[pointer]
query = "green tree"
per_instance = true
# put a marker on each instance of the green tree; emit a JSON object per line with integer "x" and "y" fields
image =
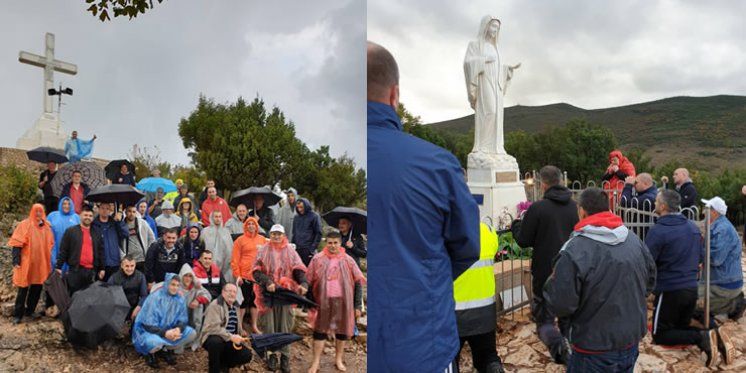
{"x": 413, "y": 125}
{"x": 336, "y": 182}
{"x": 242, "y": 144}
{"x": 118, "y": 8}
{"x": 17, "y": 190}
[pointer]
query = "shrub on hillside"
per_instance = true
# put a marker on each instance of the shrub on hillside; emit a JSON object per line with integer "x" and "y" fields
{"x": 18, "y": 190}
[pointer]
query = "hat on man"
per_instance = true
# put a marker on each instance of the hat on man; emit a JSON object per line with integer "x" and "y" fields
{"x": 277, "y": 228}
{"x": 717, "y": 204}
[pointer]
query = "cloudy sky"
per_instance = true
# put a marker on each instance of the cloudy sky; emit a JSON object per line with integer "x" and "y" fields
{"x": 591, "y": 54}
{"x": 136, "y": 79}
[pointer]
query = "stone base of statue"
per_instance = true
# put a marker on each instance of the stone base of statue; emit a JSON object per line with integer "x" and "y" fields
{"x": 45, "y": 132}
{"x": 494, "y": 180}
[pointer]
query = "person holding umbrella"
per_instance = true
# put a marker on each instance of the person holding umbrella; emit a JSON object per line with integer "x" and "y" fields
{"x": 263, "y": 213}
{"x": 163, "y": 323}
{"x": 113, "y": 230}
{"x": 45, "y": 184}
{"x": 336, "y": 282}
{"x": 306, "y": 230}
{"x": 352, "y": 241}
{"x": 222, "y": 332}
{"x": 278, "y": 264}
{"x": 83, "y": 251}
{"x": 123, "y": 174}
{"x": 32, "y": 243}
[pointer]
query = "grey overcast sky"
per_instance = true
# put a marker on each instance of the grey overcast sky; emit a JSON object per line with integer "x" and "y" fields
{"x": 591, "y": 54}
{"x": 137, "y": 78}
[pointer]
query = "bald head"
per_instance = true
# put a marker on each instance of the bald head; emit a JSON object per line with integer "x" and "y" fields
{"x": 644, "y": 181}
{"x": 680, "y": 176}
{"x": 383, "y": 76}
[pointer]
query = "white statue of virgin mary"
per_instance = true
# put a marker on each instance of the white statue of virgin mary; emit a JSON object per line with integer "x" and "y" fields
{"x": 487, "y": 78}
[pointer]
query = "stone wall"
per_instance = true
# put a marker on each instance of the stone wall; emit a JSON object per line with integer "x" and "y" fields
{"x": 18, "y": 158}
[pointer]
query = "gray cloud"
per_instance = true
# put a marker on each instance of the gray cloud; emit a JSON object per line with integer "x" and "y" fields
{"x": 138, "y": 78}
{"x": 587, "y": 53}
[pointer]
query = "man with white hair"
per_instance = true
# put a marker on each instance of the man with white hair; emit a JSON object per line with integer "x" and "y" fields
{"x": 726, "y": 274}
{"x": 685, "y": 187}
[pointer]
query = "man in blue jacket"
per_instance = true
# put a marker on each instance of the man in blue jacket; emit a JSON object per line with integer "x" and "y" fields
{"x": 113, "y": 230}
{"x": 726, "y": 274}
{"x": 677, "y": 248}
{"x": 423, "y": 228}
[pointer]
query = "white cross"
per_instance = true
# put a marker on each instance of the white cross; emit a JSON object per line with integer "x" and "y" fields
{"x": 49, "y": 64}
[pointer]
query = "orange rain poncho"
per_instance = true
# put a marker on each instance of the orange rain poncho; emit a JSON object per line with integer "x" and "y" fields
{"x": 36, "y": 243}
{"x": 245, "y": 250}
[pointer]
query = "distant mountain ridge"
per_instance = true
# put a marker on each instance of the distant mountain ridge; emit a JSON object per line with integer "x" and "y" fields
{"x": 709, "y": 130}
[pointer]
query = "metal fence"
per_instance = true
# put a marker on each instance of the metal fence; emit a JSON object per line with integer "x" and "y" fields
{"x": 513, "y": 276}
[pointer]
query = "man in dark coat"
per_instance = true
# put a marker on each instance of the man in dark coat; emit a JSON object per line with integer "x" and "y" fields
{"x": 133, "y": 283}
{"x": 646, "y": 192}
{"x": 82, "y": 250}
{"x": 601, "y": 279}
{"x": 306, "y": 230}
{"x": 352, "y": 241}
{"x": 45, "y": 184}
{"x": 686, "y": 190}
{"x": 546, "y": 226}
{"x": 164, "y": 256}
{"x": 677, "y": 248}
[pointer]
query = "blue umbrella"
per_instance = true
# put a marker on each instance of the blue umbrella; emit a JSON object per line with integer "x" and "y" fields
{"x": 151, "y": 185}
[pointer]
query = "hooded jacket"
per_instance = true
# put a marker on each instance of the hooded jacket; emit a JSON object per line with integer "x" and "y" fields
{"x": 149, "y": 219}
{"x": 144, "y": 235}
{"x": 32, "y": 246}
{"x": 192, "y": 248}
{"x": 616, "y": 179}
{"x": 211, "y": 279}
{"x": 190, "y": 217}
{"x": 286, "y": 214}
{"x": 217, "y": 239}
{"x": 112, "y": 233}
{"x": 208, "y": 206}
{"x": 424, "y": 229}
{"x": 600, "y": 282}
{"x": 546, "y": 226}
{"x": 160, "y": 312}
{"x": 677, "y": 248}
{"x": 306, "y": 229}
{"x": 60, "y": 222}
{"x": 245, "y": 249}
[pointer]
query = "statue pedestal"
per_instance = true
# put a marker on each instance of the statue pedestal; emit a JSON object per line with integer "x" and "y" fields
{"x": 496, "y": 178}
{"x": 45, "y": 132}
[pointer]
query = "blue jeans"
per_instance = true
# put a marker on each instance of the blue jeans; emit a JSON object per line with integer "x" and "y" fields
{"x": 612, "y": 361}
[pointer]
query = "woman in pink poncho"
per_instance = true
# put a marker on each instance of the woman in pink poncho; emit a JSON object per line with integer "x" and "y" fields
{"x": 335, "y": 281}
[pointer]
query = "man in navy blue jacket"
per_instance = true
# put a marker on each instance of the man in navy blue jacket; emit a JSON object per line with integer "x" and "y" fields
{"x": 423, "y": 229}
{"x": 113, "y": 230}
{"x": 677, "y": 248}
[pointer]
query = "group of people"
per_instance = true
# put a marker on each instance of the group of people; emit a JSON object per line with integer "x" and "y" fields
{"x": 592, "y": 276}
{"x": 190, "y": 276}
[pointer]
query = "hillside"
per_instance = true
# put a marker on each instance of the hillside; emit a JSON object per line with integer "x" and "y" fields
{"x": 706, "y": 130}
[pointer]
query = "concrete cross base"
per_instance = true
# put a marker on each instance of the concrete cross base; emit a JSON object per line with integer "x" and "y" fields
{"x": 45, "y": 132}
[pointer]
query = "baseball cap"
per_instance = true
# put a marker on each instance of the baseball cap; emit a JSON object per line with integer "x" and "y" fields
{"x": 717, "y": 204}
{"x": 277, "y": 228}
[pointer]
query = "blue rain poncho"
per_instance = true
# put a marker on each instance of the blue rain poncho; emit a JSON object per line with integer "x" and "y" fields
{"x": 160, "y": 312}
{"x": 77, "y": 149}
{"x": 60, "y": 222}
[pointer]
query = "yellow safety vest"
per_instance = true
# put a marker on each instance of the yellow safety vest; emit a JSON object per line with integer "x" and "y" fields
{"x": 476, "y": 286}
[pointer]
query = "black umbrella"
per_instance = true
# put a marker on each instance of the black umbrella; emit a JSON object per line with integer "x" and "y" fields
{"x": 57, "y": 289}
{"x": 95, "y": 315}
{"x": 262, "y": 343}
{"x": 45, "y": 154}
{"x": 122, "y": 194}
{"x": 113, "y": 167}
{"x": 93, "y": 175}
{"x": 284, "y": 297}
{"x": 358, "y": 217}
{"x": 246, "y": 197}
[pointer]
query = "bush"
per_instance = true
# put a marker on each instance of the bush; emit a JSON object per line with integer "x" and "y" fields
{"x": 18, "y": 190}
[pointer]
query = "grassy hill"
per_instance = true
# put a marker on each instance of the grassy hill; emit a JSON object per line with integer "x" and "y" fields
{"x": 709, "y": 131}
